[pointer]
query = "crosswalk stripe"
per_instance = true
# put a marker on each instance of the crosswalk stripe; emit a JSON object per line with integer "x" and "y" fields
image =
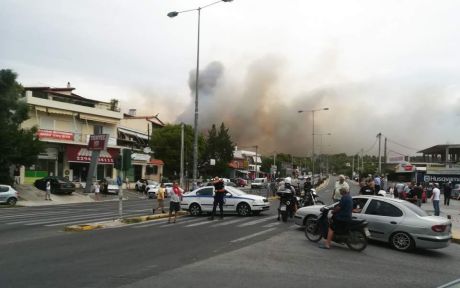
{"x": 206, "y": 221}
{"x": 252, "y": 235}
{"x": 81, "y": 221}
{"x": 225, "y": 222}
{"x": 271, "y": 225}
{"x": 255, "y": 222}
{"x": 42, "y": 221}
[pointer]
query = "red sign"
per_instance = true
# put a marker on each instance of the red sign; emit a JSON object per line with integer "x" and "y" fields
{"x": 98, "y": 142}
{"x": 408, "y": 167}
{"x": 83, "y": 155}
{"x": 58, "y": 135}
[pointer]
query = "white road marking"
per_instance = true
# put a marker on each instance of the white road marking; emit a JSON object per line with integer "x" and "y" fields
{"x": 63, "y": 218}
{"x": 255, "y": 222}
{"x": 252, "y": 235}
{"x": 271, "y": 225}
{"x": 225, "y": 222}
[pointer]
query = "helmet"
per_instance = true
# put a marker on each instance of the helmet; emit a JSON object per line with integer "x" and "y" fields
{"x": 382, "y": 193}
{"x": 287, "y": 180}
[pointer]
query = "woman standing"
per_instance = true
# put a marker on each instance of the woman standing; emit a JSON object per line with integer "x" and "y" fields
{"x": 160, "y": 199}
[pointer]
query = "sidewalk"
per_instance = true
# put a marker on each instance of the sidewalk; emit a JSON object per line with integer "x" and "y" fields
{"x": 452, "y": 211}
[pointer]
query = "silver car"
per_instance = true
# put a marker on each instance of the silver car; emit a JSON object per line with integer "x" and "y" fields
{"x": 8, "y": 195}
{"x": 400, "y": 223}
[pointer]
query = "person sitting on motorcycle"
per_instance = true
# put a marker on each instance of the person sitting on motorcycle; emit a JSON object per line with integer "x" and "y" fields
{"x": 288, "y": 186}
{"x": 340, "y": 218}
{"x": 307, "y": 185}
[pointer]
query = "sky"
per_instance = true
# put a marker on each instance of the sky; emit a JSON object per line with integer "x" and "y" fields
{"x": 389, "y": 67}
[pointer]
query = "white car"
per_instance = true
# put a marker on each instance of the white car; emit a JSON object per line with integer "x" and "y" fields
{"x": 398, "y": 222}
{"x": 259, "y": 183}
{"x": 235, "y": 201}
{"x": 151, "y": 188}
{"x": 8, "y": 195}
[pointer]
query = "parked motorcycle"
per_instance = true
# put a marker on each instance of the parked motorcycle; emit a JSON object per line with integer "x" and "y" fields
{"x": 355, "y": 236}
{"x": 287, "y": 204}
{"x": 310, "y": 198}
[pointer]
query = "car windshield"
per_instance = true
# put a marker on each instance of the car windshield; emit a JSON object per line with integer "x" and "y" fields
{"x": 415, "y": 209}
{"x": 235, "y": 191}
{"x": 61, "y": 179}
{"x": 259, "y": 180}
{"x": 111, "y": 181}
{"x": 151, "y": 182}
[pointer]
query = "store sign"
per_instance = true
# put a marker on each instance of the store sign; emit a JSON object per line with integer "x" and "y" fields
{"x": 140, "y": 157}
{"x": 81, "y": 154}
{"x": 58, "y": 135}
{"x": 98, "y": 142}
{"x": 441, "y": 178}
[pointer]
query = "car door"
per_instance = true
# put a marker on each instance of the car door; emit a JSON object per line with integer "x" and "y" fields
{"x": 230, "y": 201}
{"x": 206, "y": 198}
{"x": 3, "y": 193}
{"x": 383, "y": 218}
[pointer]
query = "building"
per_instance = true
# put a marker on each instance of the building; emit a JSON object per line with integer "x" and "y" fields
{"x": 134, "y": 132}
{"x": 65, "y": 121}
{"x": 245, "y": 164}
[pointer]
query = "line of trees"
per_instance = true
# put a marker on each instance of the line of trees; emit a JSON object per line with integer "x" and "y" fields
{"x": 217, "y": 145}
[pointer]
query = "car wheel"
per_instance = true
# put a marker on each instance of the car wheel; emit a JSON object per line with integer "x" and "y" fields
{"x": 401, "y": 241}
{"x": 243, "y": 209}
{"x": 12, "y": 201}
{"x": 195, "y": 209}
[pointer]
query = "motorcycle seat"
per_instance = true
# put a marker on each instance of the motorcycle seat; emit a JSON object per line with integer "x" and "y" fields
{"x": 357, "y": 221}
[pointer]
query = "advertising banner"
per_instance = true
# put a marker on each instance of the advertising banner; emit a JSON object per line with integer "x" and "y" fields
{"x": 57, "y": 135}
{"x": 98, "y": 142}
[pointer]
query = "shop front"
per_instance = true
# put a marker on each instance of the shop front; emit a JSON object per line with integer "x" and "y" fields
{"x": 79, "y": 158}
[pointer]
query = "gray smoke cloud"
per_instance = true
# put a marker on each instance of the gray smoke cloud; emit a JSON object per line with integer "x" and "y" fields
{"x": 259, "y": 110}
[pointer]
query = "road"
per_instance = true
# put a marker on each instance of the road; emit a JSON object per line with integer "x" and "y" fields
{"x": 195, "y": 252}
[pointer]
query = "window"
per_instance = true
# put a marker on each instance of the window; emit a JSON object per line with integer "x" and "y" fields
{"x": 205, "y": 192}
{"x": 151, "y": 170}
{"x": 98, "y": 129}
{"x": 3, "y": 189}
{"x": 381, "y": 208}
{"x": 358, "y": 204}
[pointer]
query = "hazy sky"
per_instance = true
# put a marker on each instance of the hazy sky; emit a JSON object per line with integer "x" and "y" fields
{"x": 380, "y": 66}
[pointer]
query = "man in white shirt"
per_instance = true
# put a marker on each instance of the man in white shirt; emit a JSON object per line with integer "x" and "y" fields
{"x": 435, "y": 199}
{"x": 339, "y": 185}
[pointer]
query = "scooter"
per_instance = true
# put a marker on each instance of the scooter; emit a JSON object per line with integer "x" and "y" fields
{"x": 355, "y": 236}
{"x": 287, "y": 204}
{"x": 310, "y": 198}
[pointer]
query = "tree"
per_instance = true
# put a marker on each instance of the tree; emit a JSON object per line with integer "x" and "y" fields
{"x": 166, "y": 144}
{"x": 18, "y": 146}
{"x": 220, "y": 147}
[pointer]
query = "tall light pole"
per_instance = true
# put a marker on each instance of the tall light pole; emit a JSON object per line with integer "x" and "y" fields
{"x": 321, "y": 146}
{"x": 313, "y": 138}
{"x": 195, "y": 138}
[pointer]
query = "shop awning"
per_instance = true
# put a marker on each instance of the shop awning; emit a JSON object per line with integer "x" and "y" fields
{"x": 81, "y": 154}
{"x": 98, "y": 118}
{"x": 157, "y": 162}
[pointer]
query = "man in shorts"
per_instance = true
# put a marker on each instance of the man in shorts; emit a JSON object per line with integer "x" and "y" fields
{"x": 174, "y": 203}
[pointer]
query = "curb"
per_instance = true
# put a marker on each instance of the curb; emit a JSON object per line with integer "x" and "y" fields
{"x": 122, "y": 222}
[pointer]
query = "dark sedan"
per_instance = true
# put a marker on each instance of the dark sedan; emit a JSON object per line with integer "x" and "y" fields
{"x": 59, "y": 185}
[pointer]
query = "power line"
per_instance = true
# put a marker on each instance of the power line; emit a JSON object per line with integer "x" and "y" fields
{"x": 402, "y": 145}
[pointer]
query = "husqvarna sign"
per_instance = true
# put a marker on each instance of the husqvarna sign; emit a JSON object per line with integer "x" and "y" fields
{"x": 441, "y": 178}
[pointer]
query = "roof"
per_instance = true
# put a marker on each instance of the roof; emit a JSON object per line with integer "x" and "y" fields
{"x": 439, "y": 149}
{"x": 153, "y": 119}
{"x": 156, "y": 162}
{"x": 58, "y": 92}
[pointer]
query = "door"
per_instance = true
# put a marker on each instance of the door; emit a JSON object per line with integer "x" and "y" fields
{"x": 383, "y": 218}
{"x": 230, "y": 202}
{"x": 206, "y": 198}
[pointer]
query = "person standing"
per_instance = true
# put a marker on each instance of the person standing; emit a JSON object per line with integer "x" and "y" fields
{"x": 219, "y": 194}
{"x": 17, "y": 175}
{"x": 417, "y": 193}
{"x": 97, "y": 190}
{"x": 377, "y": 183}
{"x": 368, "y": 188}
{"x": 174, "y": 203}
{"x": 435, "y": 199}
{"x": 48, "y": 190}
{"x": 336, "y": 195}
{"x": 160, "y": 199}
{"x": 447, "y": 193}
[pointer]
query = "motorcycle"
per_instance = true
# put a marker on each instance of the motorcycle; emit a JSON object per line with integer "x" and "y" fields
{"x": 310, "y": 198}
{"x": 354, "y": 236}
{"x": 287, "y": 204}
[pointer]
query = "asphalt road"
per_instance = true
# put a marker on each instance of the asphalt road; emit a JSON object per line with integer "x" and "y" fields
{"x": 247, "y": 252}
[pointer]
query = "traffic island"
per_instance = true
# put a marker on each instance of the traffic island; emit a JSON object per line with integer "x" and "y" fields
{"x": 119, "y": 222}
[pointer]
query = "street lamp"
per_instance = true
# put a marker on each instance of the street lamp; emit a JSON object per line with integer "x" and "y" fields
{"x": 321, "y": 148}
{"x": 195, "y": 139}
{"x": 313, "y": 141}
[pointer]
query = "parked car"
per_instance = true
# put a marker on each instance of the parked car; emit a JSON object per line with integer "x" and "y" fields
{"x": 59, "y": 185}
{"x": 110, "y": 186}
{"x": 151, "y": 188}
{"x": 8, "y": 195}
{"x": 236, "y": 201}
{"x": 455, "y": 191}
{"x": 259, "y": 183}
{"x": 240, "y": 182}
{"x": 140, "y": 185}
{"x": 402, "y": 224}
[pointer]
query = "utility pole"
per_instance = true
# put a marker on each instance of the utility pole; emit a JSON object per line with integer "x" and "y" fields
{"x": 257, "y": 161}
{"x": 182, "y": 156}
{"x": 385, "y": 151}
{"x": 380, "y": 157}
{"x": 352, "y": 167}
